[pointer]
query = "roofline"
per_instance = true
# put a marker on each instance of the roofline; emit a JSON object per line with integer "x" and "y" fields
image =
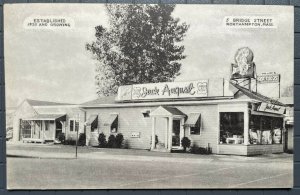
{"x": 174, "y": 100}
{"x": 175, "y": 103}
{"x": 54, "y": 106}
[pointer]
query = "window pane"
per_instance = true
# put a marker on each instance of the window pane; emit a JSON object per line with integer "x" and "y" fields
{"x": 265, "y": 130}
{"x": 114, "y": 127}
{"x": 25, "y": 129}
{"x": 195, "y": 130}
{"x": 46, "y": 125}
{"x": 71, "y": 125}
{"x": 76, "y": 126}
{"x": 232, "y": 127}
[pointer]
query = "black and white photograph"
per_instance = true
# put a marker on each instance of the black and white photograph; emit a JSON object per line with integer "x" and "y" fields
{"x": 149, "y": 96}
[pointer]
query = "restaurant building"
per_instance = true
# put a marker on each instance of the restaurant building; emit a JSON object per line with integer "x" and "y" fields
{"x": 214, "y": 113}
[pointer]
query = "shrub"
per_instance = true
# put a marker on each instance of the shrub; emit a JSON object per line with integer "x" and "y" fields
{"x": 200, "y": 150}
{"x": 102, "y": 140}
{"x": 119, "y": 140}
{"x": 185, "y": 142}
{"x": 70, "y": 142}
{"x": 126, "y": 144}
{"x": 62, "y": 137}
{"x": 81, "y": 139}
{"x": 111, "y": 141}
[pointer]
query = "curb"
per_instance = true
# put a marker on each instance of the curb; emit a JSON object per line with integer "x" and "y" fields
{"x": 36, "y": 157}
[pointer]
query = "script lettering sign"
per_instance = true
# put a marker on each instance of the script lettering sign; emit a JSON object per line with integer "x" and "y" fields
{"x": 170, "y": 90}
{"x": 265, "y": 107}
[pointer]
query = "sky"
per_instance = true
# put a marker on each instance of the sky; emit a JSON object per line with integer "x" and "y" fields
{"x": 53, "y": 64}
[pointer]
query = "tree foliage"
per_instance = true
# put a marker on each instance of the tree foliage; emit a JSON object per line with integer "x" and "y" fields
{"x": 140, "y": 45}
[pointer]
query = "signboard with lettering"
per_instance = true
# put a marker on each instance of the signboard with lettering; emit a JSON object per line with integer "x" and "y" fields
{"x": 272, "y": 108}
{"x": 268, "y": 78}
{"x": 170, "y": 90}
{"x": 217, "y": 87}
{"x": 135, "y": 134}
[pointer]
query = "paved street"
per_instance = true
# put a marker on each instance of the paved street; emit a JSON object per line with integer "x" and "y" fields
{"x": 54, "y": 167}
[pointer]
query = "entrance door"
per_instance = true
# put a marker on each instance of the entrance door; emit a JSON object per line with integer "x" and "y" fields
{"x": 58, "y": 129}
{"x": 176, "y": 133}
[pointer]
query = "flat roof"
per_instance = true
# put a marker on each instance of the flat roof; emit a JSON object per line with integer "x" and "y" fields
{"x": 169, "y": 103}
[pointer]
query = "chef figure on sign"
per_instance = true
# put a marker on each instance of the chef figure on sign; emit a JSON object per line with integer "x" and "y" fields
{"x": 244, "y": 65}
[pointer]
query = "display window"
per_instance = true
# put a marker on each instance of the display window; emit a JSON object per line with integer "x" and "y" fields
{"x": 231, "y": 127}
{"x": 265, "y": 130}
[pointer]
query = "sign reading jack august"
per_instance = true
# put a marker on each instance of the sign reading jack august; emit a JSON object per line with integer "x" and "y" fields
{"x": 165, "y": 90}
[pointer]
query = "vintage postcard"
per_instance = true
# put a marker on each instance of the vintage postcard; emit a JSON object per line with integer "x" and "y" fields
{"x": 149, "y": 96}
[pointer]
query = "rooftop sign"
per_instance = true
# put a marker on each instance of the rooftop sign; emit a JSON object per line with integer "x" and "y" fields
{"x": 166, "y": 90}
{"x": 268, "y": 78}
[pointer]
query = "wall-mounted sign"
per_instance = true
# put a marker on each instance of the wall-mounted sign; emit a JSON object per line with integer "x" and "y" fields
{"x": 268, "y": 78}
{"x": 135, "y": 134}
{"x": 170, "y": 90}
{"x": 216, "y": 87}
{"x": 272, "y": 108}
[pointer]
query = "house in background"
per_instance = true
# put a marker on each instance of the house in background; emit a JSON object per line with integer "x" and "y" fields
{"x": 41, "y": 121}
{"x": 289, "y": 123}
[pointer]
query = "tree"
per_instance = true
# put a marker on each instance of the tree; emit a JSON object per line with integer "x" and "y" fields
{"x": 141, "y": 45}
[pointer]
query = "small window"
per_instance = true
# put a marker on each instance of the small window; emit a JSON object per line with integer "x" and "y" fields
{"x": 71, "y": 125}
{"x": 47, "y": 125}
{"x": 94, "y": 127}
{"x": 114, "y": 127}
{"x": 195, "y": 130}
{"x": 76, "y": 126}
{"x": 113, "y": 123}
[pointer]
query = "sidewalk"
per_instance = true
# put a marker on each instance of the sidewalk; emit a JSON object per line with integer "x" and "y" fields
{"x": 68, "y": 152}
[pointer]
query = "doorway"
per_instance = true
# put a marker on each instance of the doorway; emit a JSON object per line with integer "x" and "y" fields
{"x": 58, "y": 130}
{"x": 176, "y": 133}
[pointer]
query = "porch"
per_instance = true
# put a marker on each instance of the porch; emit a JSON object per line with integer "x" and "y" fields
{"x": 168, "y": 125}
{"x": 42, "y": 127}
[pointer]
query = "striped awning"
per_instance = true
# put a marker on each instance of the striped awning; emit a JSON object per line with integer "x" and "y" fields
{"x": 92, "y": 119}
{"x": 193, "y": 120}
{"x": 112, "y": 118}
{"x": 46, "y": 117}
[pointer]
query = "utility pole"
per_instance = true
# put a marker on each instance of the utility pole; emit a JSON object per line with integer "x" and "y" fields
{"x": 76, "y": 121}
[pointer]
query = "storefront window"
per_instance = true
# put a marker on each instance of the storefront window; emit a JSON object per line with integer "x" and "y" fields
{"x": 265, "y": 130}
{"x": 231, "y": 127}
